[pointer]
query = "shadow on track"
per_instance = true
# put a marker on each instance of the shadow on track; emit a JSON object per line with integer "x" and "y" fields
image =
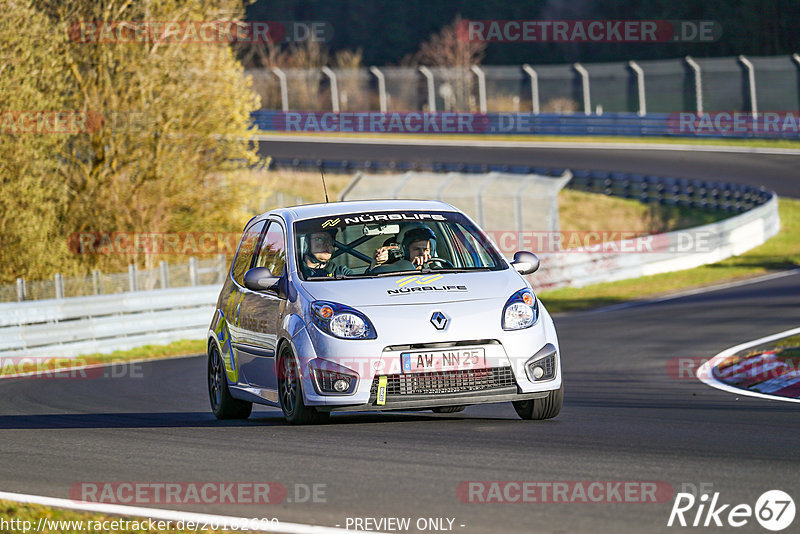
{"x": 190, "y": 420}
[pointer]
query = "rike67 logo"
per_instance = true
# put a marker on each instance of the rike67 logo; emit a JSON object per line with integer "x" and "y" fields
{"x": 774, "y": 510}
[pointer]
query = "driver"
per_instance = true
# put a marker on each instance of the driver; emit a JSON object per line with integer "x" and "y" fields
{"x": 316, "y": 258}
{"x": 419, "y": 245}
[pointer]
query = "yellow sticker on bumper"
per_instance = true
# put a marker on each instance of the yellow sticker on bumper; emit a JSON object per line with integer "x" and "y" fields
{"x": 381, "y": 390}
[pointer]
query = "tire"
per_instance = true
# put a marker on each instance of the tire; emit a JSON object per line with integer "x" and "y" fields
{"x": 449, "y": 409}
{"x": 539, "y": 409}
{"x": 290, "y": 393}
{"x": 223, "y": 404}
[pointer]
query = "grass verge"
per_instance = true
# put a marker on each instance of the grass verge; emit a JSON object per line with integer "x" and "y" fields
{"x": 753, "y": 143}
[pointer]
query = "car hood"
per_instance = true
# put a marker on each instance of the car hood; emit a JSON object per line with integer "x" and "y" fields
{"x": 429, "y": 288}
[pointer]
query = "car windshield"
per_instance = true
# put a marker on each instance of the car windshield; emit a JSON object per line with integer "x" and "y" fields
{"x": 372, "y": 244}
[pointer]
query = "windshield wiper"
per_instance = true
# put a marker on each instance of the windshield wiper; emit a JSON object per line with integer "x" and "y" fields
{"x": 458, "y": 270}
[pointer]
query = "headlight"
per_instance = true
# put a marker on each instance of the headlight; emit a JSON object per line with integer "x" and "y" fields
{"x": 341, "y": 321}
{"x": 521, "y": 310}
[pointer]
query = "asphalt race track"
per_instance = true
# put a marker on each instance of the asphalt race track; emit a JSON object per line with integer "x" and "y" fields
{"x": 777, "y": 172}
{"x": 625, "y": 417}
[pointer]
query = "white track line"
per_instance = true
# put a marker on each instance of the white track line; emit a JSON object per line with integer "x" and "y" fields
{"x": 599, "y": 145}
{"x": 167, "y": 515}
{"x": 705, "y": 372}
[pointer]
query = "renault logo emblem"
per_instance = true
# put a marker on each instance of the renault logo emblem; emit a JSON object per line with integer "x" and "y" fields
{"x": 438, "y": 320}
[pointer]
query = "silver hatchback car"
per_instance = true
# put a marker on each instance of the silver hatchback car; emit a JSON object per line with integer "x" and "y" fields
{"x": 378, "y": 305}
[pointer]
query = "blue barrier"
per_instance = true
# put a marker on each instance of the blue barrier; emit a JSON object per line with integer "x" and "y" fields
{"x": 737, "y": 125}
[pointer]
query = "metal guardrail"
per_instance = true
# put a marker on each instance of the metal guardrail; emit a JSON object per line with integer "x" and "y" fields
{"x": 103, "y": 323}
{"x": 671, "y": 251}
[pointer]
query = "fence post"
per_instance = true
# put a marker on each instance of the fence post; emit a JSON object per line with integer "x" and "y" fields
{"x": 698, "y": 84}
{"x": 334, "y": 88}
{"x": 162, "y": 265}
{"x": 481, "y": 87}
{"x": 534, "y": 87}
{"x": 640, "y": 87}
{"x": 284, "y": 90}
{"x": 587, "y": 101}
{"x": 221, "y": 264}
{"x": 132, "y": 282}
{"x": 381, "y": 87}
{"x": 96, "y": 282}
{"x": 59, "y": 282}
{"x": 193, "y": 271}
{"x": 21, "y": 290}
{"x": 431, "y": 89}
{"x": 751, "y": 85}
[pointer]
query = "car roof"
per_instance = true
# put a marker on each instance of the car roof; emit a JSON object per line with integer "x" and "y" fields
{"x": 311, "y": 211}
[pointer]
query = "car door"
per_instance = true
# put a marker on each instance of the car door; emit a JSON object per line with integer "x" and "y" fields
{"x": 233, "y": 294}
{"x": 261, "y": 312}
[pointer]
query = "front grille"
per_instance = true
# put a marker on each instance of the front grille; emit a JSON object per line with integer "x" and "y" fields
{"x": 443, "y": 382}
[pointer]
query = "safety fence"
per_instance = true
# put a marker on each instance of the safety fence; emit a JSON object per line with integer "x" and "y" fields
{"x": 195, "y": 272}
{"x": 736, "y": 83}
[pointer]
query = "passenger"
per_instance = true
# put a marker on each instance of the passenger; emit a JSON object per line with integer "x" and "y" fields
{"x": 317, "y": 257}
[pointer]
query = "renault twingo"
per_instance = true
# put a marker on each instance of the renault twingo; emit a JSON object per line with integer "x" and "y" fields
{"x": 378, "y": 305}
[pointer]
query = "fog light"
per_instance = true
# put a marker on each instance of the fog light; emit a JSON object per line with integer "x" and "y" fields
{"x": 538, "y": 372}
{"x": 343, "y": 385}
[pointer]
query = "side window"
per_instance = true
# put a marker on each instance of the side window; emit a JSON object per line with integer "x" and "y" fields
{"x": 273, "y": 250}
{"x": 245, "y": 253}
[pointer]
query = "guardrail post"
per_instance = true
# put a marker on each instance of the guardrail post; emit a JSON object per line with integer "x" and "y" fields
{"x": 751, "y": 85}
{"x": 59, "y": 283}
{"x": 534, "y": 87}
{"x": 162, "y": 266}
{"x": 22, "y": 290}
{"x": 98, "y": 289}
{"x": 431, "y": 88}
{"x": 640, "y": 87}
{"x": 381, "y": 87}
{"x": 334, "y": 88}
{"x": 132, "y": 282}
{"x": 284, "y": 89}
{"x": 587, "y": 101}
{"x": 481, "y": 87}
{"x": 698, "y": 84}
{"x": 193, "y": 271}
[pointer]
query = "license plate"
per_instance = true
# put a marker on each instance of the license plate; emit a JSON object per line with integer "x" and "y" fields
{"x": 443, "y": 360}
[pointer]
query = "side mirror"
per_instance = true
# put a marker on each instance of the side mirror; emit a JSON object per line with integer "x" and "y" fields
{"x": 525, "y": 262}
{"x": 259, "y": 279}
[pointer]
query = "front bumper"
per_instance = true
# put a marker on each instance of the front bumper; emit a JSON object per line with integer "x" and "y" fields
{"x": 508, "y": 352}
